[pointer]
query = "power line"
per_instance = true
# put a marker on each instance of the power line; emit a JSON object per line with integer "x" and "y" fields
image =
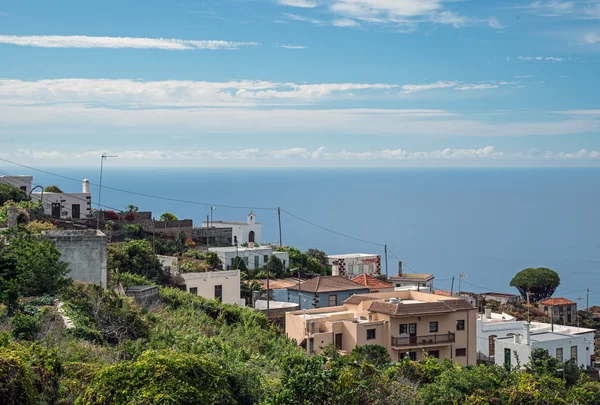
{"x": 403, "y": 264}
{"x": 332, "y": 231}
{"x": 143, "y": 194}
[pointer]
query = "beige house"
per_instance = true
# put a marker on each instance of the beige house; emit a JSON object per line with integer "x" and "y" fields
{"x": 219, "y": 285}
{"x": 407, "y": 323}
{"x": 561, "y": 309}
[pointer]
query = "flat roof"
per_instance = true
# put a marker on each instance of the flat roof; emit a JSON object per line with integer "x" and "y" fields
{"x": 229, "y": 222}
{"x": 326, "y": 314}
{"x": 241, "y": 249}
{"x": 543, "y": 337}
{"x": 351, "y": 255}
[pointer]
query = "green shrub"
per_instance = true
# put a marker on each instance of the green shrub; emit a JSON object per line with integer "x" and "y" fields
{"x": 25, "y": 326}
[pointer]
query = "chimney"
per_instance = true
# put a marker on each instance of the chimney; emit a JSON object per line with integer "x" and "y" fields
{"x": 400, "y": 268}
{"x": 526, "y": 336}
{"x": 488, "y": 313}
{"x": 85, "y": 186}
{"x": 12, "y": 216}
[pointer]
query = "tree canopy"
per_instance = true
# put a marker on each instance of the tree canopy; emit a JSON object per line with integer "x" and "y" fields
{"x": 167, "y": 216}
{"x": 136, "y": 257}
{"x": 539, "y": 282}
{"x": 53, "y": 189}
{"x": 238, "y": 264}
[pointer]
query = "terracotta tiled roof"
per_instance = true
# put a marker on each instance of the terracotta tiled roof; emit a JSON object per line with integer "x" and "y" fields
{"x": 442, "y": 292}
{"x": 556, "y": 301}
{"x": 371, "y": 282}
{"x": 424, "y": 308}
{"x": 327, "y": 284}
{"x": 595, "y": 309}
{"x": 411, "y": 276}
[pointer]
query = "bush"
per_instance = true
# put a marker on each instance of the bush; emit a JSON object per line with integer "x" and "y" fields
{"x": 113, "y": 216}
{"x": 24, "y": 326}
{"x": 10, "y": 193}
{"x": 167, "y": 216}
{"x": 39, "y": 226}
{"x": 129, "y": 279}
{"x": 53, "y": 189}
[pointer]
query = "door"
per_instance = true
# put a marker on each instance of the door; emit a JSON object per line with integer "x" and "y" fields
{"x": 56, "y": 210}
{"x": 251, "y": 237}
{"x": 507, "y": 357}
{"x": 75, "y": 211}
{"x": 219, "y": 292}
{"x": 338, "y": 341}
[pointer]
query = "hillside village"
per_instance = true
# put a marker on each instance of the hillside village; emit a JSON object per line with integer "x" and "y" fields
{"x": 326, "y": 305}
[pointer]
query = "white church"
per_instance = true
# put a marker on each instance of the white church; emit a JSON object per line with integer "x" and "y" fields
{"x": 243, "y": 232}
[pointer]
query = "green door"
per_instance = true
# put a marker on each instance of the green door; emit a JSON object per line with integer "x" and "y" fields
{"x": 507, "y": 357}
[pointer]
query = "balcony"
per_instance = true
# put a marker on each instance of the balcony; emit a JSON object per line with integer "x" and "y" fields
{"x": 424, "y": 340}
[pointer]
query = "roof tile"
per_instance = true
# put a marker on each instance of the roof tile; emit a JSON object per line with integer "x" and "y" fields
{"x": 371, "y": 282}
{"x": 327, "y": 284}
{"x": 556, "y": 301}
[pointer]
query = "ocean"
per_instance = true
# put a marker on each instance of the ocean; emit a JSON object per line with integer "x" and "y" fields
{"x": 484, "y": 223}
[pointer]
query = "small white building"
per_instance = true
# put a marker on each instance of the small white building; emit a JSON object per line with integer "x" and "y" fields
{"x": 494, "y": 326}
{"x": 516, "y": 350}
{"x": 253, "y": 257}
{"x": 20, "y": 182}
{"x": 354, "y": 264}
{"x": 241, "y": 232}
{"x": 221, "y": 285}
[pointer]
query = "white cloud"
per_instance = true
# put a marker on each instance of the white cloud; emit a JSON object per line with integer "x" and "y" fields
{"x": 298, "y": 3}
{"x": 296, "y": 17}
{"x": 344, "y": 22}
{"x": 551, "y": 8}
{"x": 448, "y": 17}
{"x": 495, "y": 23}
{"x": 540, "y": 58}
{"x": 524, "y": 77}
{"x": 591, "y": 38}
{"x": 286, "y": 46}
{"x": 413, "y": 88}
{"x": 481, "y": 86}
{"x": 580, "y": 112}
{"x": 81, "y": 41}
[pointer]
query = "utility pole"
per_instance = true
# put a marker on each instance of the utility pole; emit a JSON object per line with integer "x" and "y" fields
{"x": 386, "y": 262}
{"x": 460, "y": 277}
{"x": 153, "y": 235}
{"x": 279, "y": 218}
{"x": 207, "y": 232}
{"x": 268, "y": 295}
{"x": 104, "y": 156}
{"x": 587, "y": 300}
{"x": 452, "y": 288}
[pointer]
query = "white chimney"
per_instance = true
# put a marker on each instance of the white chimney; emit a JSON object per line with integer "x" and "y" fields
{"x": 488, "y": 313}
{"x": 526, "y": 336}
{"x": 85, "y": 186}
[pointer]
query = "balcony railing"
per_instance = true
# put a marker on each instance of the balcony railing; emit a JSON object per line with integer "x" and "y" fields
{"x": 440, "y": 338}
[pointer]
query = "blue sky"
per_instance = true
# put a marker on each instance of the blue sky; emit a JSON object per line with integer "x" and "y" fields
{"x": 301, "y": 82}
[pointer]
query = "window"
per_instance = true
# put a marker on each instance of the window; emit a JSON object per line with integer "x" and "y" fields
{"x": 361, "y": 268}
{"x": 460, "y": 324}
{"x": 266, "y": 259}
{"x": 256, "y": 262}
{"x": 232, "y": 263}
{"x": 434, "y": 353}
{"x": 568, "y": 318}
{"x": 246, "y": 261}
{"x": 559, "y": 353}
{"x": 408, "y": 328}
{"x": 333, "y": 300}
{"x": 433, "y": 327}
{"x": 574, "y": 353}
{"x": 507, "y": 357}
{"x": 461, "y": 352}
{"x": 370, "y": 334}
{"x": 492, "y": 345}
{"x": 219, "y": 292}
{"x": 311, "y": 345}
{"x": 24, "y": 188}
{"x": 194, "y": 290}
{"x": 350, "y": 269}
{"x": 545, "y": 308}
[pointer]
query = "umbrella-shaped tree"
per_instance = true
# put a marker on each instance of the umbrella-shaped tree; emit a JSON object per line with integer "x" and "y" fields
{"x": 539, "y": 282}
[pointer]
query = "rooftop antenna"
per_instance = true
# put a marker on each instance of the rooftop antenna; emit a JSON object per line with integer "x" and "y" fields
{"x": 102, "y": 158}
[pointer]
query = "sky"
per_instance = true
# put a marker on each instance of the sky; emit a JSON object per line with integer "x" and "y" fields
{"x": 301, "y": 83}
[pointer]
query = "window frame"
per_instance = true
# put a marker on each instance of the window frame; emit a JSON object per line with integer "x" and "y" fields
{"x": 460, "y": 352}
{"x": 461, "y": 323}
{"x": 434, "y": 327}
{"x": 193, "y": 290}
{"x": 371, "y": 334}
{"x": 329, "y": 300}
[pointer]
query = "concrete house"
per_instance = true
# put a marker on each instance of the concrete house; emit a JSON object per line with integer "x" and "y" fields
{"x": 516, "y": 350}
{"x": 253, "y": 257}
{"x": 242, "y": 232}
{"x": 84, "y": 251}
{"x": 419, "y": 282}
{"x": 354, "y": 264}
{"x": 407, "y": 323}
{"x": 561, "y": 309}
{"x": 502, "y": 298}
{"x": 20, "y": 182}
{"x": 324, "y": 291}
{"x": 492, "y": 326}
{"x": 220, "y": 285}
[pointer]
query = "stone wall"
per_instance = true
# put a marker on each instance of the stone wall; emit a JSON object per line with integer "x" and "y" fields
{"x": 143, "y": 295}
{"x": 84, "y": 251}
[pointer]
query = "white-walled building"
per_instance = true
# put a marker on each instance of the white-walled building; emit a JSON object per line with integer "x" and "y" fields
{"x": 516, "y": 350}
{"x": 58, "y": 205}
{"x": 253, "y": 257}
{"x": 494, "y": 326}
{"x": 243, "y": 232}
{"x": 354, "y": 264}
{"x": 20, "y": 182}
{"x": 223, "y": 285}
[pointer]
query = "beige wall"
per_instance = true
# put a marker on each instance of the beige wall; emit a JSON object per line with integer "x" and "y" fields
{"x": 206, "y": 282}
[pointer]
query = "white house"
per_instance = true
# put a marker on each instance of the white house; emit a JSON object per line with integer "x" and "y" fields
{"x": 493, "y": 326}
{"x": 222, "y": 285}
{"x": 58, "y": 205}
{"x": 516, "y": 350}
{"x": 241, "y": 232}
{"x": 20, "y": 182}
{"x": 253, "y": 257}
{"x": 354, "y": 264}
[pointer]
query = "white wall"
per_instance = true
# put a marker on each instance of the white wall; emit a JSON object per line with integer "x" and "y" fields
{"x": 18, "y": 181}
{"x": 66, "y": 200}
{"x": 240, "y": 230}
{"x": 356, "y": 265}
{"x": 523, "y": 351}
{"x": 206, "y": 282}
{"x": 227, "y": 254}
